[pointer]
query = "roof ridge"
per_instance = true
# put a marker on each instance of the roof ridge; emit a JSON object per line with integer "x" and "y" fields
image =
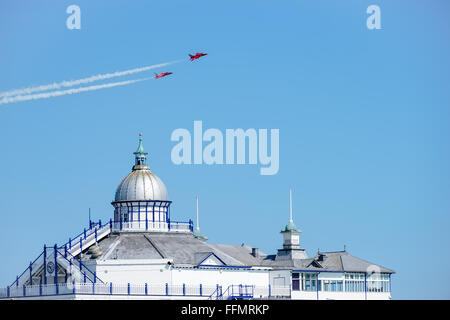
{"x": 154, "y": 246}
{"x": 338, "y": 251}
{"x": 222, "y": 253}
{"x": 111, "y": 248}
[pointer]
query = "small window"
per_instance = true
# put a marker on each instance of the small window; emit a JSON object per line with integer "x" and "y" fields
{"x": 295, "y": 281}
{"x": 295, "y": 284}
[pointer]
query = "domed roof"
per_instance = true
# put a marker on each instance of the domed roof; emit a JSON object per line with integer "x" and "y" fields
{"x": 141, "y": 183}
{"x": 291, "y": 227}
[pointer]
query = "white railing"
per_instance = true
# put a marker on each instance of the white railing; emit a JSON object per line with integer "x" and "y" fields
{"x": 152, "y": 226}
{"x": 180, "y": 226}
{"x": 36, "y": 290}
{"x": 140, "y": 226}
{"x": 130, "y": 289}
{"x": 284, "y": 291}
{"x": 92, "y": 235}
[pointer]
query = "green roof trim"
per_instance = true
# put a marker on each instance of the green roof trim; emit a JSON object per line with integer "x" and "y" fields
{"x": 199, "y": 235}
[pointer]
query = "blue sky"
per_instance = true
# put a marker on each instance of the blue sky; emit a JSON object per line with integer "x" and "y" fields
{"x": 363, "y": 118}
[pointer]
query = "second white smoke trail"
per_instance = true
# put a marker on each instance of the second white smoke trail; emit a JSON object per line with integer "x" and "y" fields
{"x": 71, "y": 83}
{"x": 19, "y": 98}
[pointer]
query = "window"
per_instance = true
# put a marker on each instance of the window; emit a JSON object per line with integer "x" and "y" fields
{"x": 309, "y": 281}
{"x": 124, "y": 217}
{"x": 295, "y": 281}
{"x": 332, "y": 285}
{"x": 339, "y": 285}
{"x": 378, "y": 282}
{"x": 354, "y": 282}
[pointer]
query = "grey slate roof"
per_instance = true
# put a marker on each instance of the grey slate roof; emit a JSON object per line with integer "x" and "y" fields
{"x": 241, "y": 253}
{"x": 126, "y": 246}
{"x": 183, "y": 248}
{"x": 351, "y": 263}
{"x": 296, "y": 264}
{"x": 187, "y": 251}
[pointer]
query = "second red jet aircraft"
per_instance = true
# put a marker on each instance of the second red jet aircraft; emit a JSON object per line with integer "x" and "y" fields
{"x": 162, "y": 74}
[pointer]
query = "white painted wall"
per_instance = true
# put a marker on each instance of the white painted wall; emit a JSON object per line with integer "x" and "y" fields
{"x": 138, "y": 271}
{"x": 304, "y": 295}
{"x": 279, "y": 278}
{"x": 223, "y": 277}
{"x": 157, "y": 272}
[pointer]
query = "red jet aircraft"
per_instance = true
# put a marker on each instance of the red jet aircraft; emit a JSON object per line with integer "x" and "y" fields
{"x": 197, "y": 55}
{"x": 162, "y": 74}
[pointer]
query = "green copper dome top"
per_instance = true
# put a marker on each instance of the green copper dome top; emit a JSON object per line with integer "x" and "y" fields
{"x": 291, "y": 227}
{"x": 141, "y": 157}
{"x": 140, "y": 150}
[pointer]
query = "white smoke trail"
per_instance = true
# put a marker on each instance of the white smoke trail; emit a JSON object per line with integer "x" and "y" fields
{"x": 52, "y": 94}
{"x": 71, "y": 83}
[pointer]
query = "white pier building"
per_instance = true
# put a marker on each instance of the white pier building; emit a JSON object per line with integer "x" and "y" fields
{"x": 141, "y": 253}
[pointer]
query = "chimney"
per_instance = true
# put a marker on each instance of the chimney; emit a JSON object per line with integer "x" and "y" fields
{"x": 255, "y": 252}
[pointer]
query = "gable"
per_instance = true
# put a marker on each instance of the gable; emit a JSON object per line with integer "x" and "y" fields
{"x": 211, "y": 260}
{"x": 315, "y": 263}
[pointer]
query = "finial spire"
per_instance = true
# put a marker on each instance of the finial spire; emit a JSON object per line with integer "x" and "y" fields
{"x": 198, "y": 223}
{"x": 197, "y": 232}
{"x": 140, "y": 149}
{"x": 290, "y": 206}
{"x": 140, "y": 155}
{"x": 290, "y": 226}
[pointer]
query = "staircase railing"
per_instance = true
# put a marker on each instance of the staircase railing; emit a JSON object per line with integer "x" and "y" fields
{"x": 217, "y": 294}
{"x": 95, "y": 232}
{"x": 87, "y": 273}
{"x": 233, "y": 291}
{"x": 27, "y": 273}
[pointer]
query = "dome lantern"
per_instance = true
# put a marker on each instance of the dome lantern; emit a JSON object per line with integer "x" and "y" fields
{"x": 291, "y": 239}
